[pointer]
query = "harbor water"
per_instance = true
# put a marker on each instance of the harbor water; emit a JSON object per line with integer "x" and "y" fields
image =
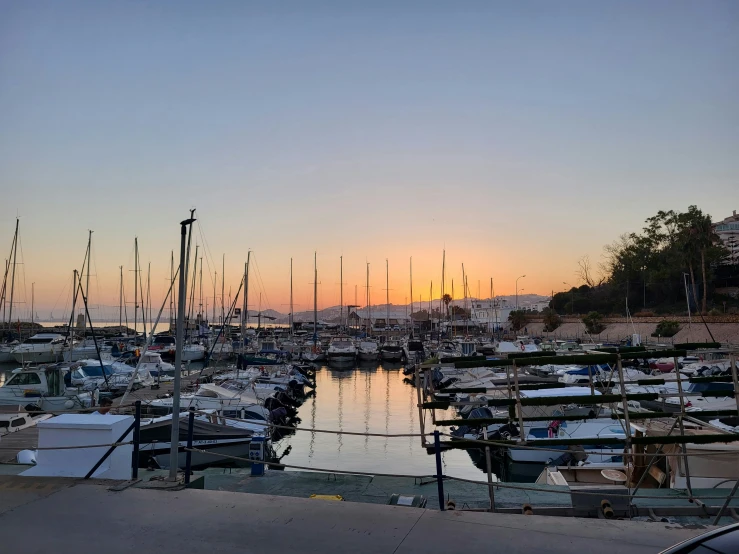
{"x": 368, "y": 398}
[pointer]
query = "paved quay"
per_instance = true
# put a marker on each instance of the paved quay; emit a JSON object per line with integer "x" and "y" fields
{"x": 114, "y": 518}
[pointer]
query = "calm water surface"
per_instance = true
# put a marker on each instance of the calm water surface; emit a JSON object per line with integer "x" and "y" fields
{"x": 365, "y": 399}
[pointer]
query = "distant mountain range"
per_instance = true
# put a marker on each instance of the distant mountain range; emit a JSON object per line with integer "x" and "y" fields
{"x": 333, "y": 313}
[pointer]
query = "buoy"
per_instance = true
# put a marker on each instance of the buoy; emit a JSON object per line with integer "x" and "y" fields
{"x": 450, "y": 505}
{"x": 527, "y": 510}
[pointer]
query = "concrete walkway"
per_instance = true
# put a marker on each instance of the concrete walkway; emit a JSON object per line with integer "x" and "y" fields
{"x": 65, "y": 516}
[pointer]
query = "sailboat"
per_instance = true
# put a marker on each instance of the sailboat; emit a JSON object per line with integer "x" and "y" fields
{"x": 9, "y": 343}
{"x": 315, "y": 354}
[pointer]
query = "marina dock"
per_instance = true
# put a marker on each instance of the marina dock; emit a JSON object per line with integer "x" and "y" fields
{"x": 196, "y": 521}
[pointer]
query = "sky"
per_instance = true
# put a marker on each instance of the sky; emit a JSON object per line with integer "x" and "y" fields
{"x": 517, "y": 137}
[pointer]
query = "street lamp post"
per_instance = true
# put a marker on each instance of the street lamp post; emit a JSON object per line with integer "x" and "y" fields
{"x": 521, "y": 277}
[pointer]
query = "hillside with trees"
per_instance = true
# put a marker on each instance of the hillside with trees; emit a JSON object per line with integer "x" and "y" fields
{"x": 675, "y": 254}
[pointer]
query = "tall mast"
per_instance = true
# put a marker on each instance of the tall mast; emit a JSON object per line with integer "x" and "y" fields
{"x": 33, "y": 285}
{"x": 315, "y": 297}
{"x": 135, "y": 284}
{"x": 246, "y": 290}
{"x": 243, "y": 310}
{"x": 171, "y": 296}
{"x": 411, "y": 296}
{"x": 451, "y": 317}
{"x": 387, "y": 293}
{"x": 443, "y": 279}
{"x": 290, "y": 319}
{"x": 223, "y": 290}
{"x": 464, "y": 290}
{"x": 87, "y": 284}
{"x": 120, "y": 304}
{"x": 12, "y": 279}
{"x": 369, "y": 310}
{"x": 202, "y": 315}
{"x": 148, "y": 292}
{"x": 215, "y": 295}
{"x": 341, "y": 292}
{"x": 431, "y": 320}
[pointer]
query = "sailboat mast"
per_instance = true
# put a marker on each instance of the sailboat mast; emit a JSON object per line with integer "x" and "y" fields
{"x": 369, "y": 310}
{"x": 315, "y": 297}
{"x": 135, "y": 285}
{"x": 223, "y": 290}
{"x": 290, "y": 319}
{"x": 12, "y": 279}
{"x": 200, "y": 304}
{"x": 87, "y": 284}
{"x": 33, "y": 286}
{"x": 341, "y": 292}
{"x": 148, "y": 292}
{"x": 171, "y": 296}
{"x": 387, "y": 293}
{"x": 215, "y": 295}
{"x": 243, "y": 310}
{"x": 464, "y": 289}
{"x": 452, "y": 303}
{"x": 411, "y": 296}
{"x": 120, "y": 304}
{"x": 246, "y": 291}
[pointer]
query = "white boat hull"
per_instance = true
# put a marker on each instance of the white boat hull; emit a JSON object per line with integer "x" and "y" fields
{"x": 38, "y": 357}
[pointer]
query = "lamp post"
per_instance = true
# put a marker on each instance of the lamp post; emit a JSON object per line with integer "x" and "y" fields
{"x": 521, "y": 277}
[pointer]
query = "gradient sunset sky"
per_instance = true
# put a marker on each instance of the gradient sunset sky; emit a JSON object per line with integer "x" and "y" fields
{"x": 518, "y": 136}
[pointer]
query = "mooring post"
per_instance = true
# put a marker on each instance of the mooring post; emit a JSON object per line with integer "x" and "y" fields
{"x": 136, "y": 441}
{"x": 439, "y": 476}
{"x": 188, "y": 451}
{"x": 489, "y": 468}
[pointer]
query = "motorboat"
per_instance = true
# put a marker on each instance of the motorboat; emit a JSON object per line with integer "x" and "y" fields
{"x": 88, "y": 348}
{"x": 42, "y": 388}
{"x": 107, "y": 376}
{"x": 152, "y": 363}
{"x": 163, "y": 344}
{"x": 215, "y": 435}
{"x": 391, "y": 351}
{"x": 6, "y": 352}
{"x": 414, "y": 351}
{"x": 193, "y": 352}
{"x": 219, "y": 397}
{"x": 448, "y": 351}
{"x": 18, "y": 419}
{"x": 41, "y": 348}
{"x": 368, "y": 350}
{"x": 341, "y": 350}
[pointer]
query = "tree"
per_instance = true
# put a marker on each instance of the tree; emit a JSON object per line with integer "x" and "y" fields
{"x": 518, "y": 319}
{"x": 446, "y": 299}
{"x": 551, "y": 320}
{"x": 458, "y": 312}
{"x": 593, "y": 323}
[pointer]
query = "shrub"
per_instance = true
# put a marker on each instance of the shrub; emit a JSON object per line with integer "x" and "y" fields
{"x": 593, "y": 323}
{"x": 551, "y": 320}
{"x": 666, "y": 328}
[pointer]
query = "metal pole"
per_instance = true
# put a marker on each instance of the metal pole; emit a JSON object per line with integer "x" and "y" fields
{"x": 439, "y": 477}
{"x": 488, "y": 466}
{"x": 420, "y": 406}
{"x": 188, "y": 454}
{"x": 175, "y": 436}
{"x": 726, "y": 504}
{"x": 136, "y": 441}
{"x": 735, "y": 379}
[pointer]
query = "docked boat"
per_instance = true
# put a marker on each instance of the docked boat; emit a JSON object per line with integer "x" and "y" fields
{"x": 448, "y": 351}
{"x": 17, "y": 420}
{"x": 212, "y": 434}
{"x": 414, "y": 351}
{"x": 193, "y": 352}
{"x": 42, "y": 348}
{"x": 42, "y": 389}
{"x": 6, "y": 352}
{"x": 391, "y": 351}
{"x": 341, "y": 350}
{"x": 219, "y": 398}
{"x": 368, "y": 350}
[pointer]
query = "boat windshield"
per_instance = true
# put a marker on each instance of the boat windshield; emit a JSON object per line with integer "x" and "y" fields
{"x": 342, "y": 344}
{"x": 38, "y": 341}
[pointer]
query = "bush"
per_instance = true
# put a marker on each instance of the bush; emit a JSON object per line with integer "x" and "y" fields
{"x": 593, "y": 323}
{"x": 551, "y": 320}
{"x": 666, "y": 328}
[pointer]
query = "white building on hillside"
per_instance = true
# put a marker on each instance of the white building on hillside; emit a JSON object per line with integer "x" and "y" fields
{"x": 379, "y": 318}
{"x": 728, "y": 232}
